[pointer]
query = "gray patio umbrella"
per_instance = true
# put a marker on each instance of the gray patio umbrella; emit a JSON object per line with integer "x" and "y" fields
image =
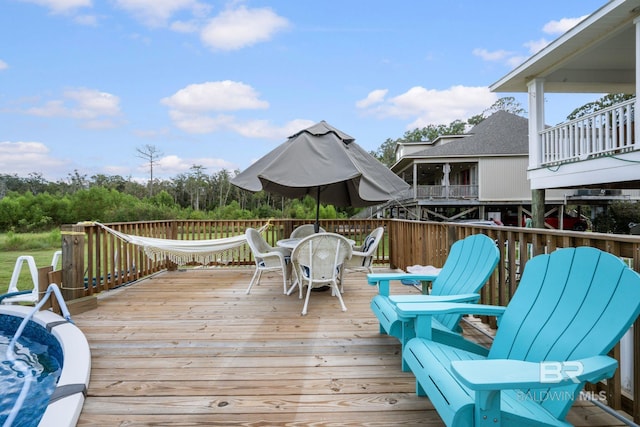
{"x": 327, "y": 164}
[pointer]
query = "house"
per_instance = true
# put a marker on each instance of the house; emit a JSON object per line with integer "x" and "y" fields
{"x": 482, "y": 174}
{"x": 597, "y": 152}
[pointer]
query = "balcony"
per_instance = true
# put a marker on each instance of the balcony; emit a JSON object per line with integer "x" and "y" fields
{"x": 440, "y": 192}
{"x": 605, "y": 133}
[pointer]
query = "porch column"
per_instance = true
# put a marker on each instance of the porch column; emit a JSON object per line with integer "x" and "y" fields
{"x": 446, "y": 170}
{"x": 536, "y": 121}
{"x": 636, "y": 123}
{"x": 415, "y": 181}
{"x": 536, "y": 124}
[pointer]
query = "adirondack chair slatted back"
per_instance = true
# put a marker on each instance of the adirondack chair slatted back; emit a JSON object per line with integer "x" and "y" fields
{"x": 469, "y": 265}
{"x": 573, "y": 303}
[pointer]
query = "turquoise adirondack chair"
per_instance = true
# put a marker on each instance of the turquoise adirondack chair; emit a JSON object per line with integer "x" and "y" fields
{"x": 568, "y": 312}
{"x": 470, "y": 263}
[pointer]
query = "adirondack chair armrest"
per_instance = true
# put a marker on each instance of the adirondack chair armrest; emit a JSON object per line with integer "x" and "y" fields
{"x": 414, "y": 299}
{"x": 421, "y": 313}
{"x": 408, "y": 311}
{"x": 382, "y": 279}
{"x": 374, "y": 278}
{"x": 505, "y": 374}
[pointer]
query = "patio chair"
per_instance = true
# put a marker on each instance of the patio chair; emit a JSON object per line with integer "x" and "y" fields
{"x": 304, "y": 231}
{"x": 267, "y": 258}
{"x": 362, "y": 257}
{"x": 469, "y": 265}
{"x": 570, "y": 309}
{"x": 317, "y": 261}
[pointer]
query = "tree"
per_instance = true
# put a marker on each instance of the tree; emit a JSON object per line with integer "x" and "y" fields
{"x": 77, "y": 182}
{"x": 432, "y": 132}
{"x": 149, "y": 153}
{"x": 196, "y": 185}
{"x": 386, "y": 153}
{"x": 508, "y": 104}
{"x": 600, "y": 104}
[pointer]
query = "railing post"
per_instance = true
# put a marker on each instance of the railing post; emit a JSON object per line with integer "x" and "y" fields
{"x": 43, "y": 284}
{"x": 72, "y": 261}
{"x": 171, "y": 231}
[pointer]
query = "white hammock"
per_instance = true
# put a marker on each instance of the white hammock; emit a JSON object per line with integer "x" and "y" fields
{"x": 182, "y": 252}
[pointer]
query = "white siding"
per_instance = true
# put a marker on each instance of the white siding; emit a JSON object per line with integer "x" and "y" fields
{"x": 503, "y": 179}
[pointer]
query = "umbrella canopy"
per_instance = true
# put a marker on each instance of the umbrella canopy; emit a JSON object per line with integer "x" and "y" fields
{"x": 327, "y": 164}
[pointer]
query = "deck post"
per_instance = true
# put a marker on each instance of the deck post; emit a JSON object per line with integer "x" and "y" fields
{"x": 72, "y": 261}
{"x": 537, "y": 207}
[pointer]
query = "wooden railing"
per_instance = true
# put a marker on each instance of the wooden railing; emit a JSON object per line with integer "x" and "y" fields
{"x": 447, "y": 192}
{"x": 95, "y": 260}
{"x": 605, "y": 132}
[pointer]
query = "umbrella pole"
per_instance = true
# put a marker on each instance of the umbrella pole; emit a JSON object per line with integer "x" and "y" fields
{"x": 317, "y": 225}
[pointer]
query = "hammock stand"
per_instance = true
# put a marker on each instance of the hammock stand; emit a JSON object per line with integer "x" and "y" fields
{"x": 182, "y": 252}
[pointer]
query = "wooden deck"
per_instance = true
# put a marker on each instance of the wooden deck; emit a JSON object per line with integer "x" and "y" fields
{"x": 189, "y": 348}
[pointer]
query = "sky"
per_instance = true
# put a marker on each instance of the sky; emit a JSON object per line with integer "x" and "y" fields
{"x": 85, "y": 84}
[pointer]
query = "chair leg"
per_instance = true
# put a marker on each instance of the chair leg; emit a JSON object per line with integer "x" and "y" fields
{"x": 306, "y": 300}
{"x": 254, "y": 279}
{"x": 284, "y": 279}
{"x": 293, "y": 278}
{"x": 300, "y": 282}
{"x": 334, "y": 285}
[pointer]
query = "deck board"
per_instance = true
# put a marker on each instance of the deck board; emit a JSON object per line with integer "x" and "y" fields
{"x": 189, "y": 348}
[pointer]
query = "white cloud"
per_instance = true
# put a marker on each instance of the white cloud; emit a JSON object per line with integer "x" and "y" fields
{"x": 433, "y": 107}
{"x": 91, "y": 106}
{"x": 503, "y": 56}
{"x": 264, "y": 129}
{"x": 563, "y": 25}
{"x": 513, "y": 59}
{"x": 22, "y": 158}
{"x": 193, "y": 108}
{"x": 172, "y": 165}
{"x": 156, "y": 13}
{"x": 3, "y": 65}
{"x": 496, "y": 55}
{"x": 535, "y": 46}
{"x": 204, "y": 108}
{"x": 61, "y": 6}
{"x": 237, "y": 28}
{"x": 374, "y": 97}
{"x": 224, "y": 95}
{"x": 198, "y": 123}
{"x": 92, "y": 103}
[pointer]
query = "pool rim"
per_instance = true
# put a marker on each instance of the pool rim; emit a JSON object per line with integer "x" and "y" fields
{"x": 67, "y": 400}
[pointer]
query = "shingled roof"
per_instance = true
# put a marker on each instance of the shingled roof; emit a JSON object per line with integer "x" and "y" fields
{"x": 502, "y": 133}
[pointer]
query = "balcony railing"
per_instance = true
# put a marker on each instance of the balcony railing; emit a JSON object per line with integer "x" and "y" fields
{"x": 605, "y": 132}
{"x": 447, "y": 192}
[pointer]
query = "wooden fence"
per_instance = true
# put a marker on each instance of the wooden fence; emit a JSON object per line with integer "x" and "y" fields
{"x": 95, "y": 260}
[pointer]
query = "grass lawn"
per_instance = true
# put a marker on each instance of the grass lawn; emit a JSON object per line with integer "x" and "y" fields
{"x": 41, "y": 246}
